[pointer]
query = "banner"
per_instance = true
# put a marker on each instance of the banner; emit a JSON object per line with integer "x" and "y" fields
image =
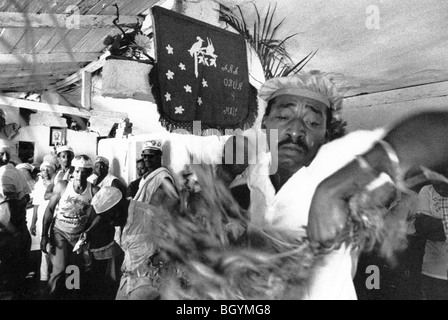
{"x": 201, "y": 74}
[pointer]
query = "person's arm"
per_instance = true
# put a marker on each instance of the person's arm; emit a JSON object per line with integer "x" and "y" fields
{"x": 120, "y": 186}
{"x": 165, "y": 195}
{"x": 34, "y": 220}
{"x": 420, "y": 140}
{"x": 96, "y": 220}
{"x": 49, "y": 191}
{"x": 49, "y": 213}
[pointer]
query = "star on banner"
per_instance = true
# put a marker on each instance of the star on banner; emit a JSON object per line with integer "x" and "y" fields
{"x": 200, "y": 101}
{"x": 204, "y": 83}
{"x": 168, "y": 96}
{"x": 179, "y": 110}
{"x": 187, "y": 88}
{"x": 170, "y": 75}
{"x": 182, "y": 67}
{"x": 170, "y": 49}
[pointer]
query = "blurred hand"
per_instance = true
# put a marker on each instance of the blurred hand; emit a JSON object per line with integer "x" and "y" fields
{"x": 327, "y": 217}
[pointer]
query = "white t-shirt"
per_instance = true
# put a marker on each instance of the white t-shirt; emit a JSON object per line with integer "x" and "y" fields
{"x": 435, "y": 260}
{"x": 288, "y": 209}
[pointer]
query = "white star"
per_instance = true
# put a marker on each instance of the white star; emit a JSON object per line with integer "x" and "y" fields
{"x": 179, "y": 110}
{"x": 170, "y": 49}
{"x": 182, "y": 67}
{"x": 204, "y": 83}
{"x": 187, "y": 88}
{"x": 168, "y": 97}
{"x": 170, "y": 75}
{"x": 200, "y": 101}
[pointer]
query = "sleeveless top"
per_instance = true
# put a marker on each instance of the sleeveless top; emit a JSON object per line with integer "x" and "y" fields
{"x": 72, "y": 213}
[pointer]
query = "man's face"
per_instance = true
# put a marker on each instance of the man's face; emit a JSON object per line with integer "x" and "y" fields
{"x": 141, "y": 169}
{"x": 301, "y": 124}
{"x": 152, "y": 159}
{"x": 100, "y": 169}
{"x": 65, "y": 158}
{"x": 80, "y": 175}
{"x": 4, "y": 158}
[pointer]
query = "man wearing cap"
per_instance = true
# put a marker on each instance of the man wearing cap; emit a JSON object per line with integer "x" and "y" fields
{"x": 102, "y": 178}
{"x": 107, "y": 254}
{"x": 70, "y": 205}
{"x": 15, "y": 240}
{"x": 157, "y": 185}
{"x": 65, "y": 156}
{"x": 301, "y": 118}
{"x": 141, "y": 279}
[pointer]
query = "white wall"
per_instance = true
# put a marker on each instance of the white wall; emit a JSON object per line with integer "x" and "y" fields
{"x": 81, "y": 142}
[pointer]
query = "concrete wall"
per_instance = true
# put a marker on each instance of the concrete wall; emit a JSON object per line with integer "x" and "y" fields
{"x": 81, "y": 142}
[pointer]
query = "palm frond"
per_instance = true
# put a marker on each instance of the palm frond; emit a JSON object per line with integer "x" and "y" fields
{"x": 271, "y": 51}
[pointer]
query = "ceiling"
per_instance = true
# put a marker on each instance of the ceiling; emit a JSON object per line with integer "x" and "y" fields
{"x": 41, "y": 43}
{"x": 409, "y": 48}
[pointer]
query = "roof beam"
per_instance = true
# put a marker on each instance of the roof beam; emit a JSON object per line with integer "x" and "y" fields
{"x": 22, "y": 74}
{"x": 77, "y": 76}
{"x": 15, "y": 58}
{"x": 21, "y": 103}
{"x": 45, "y": 20}
{"x": 86, "y": 91}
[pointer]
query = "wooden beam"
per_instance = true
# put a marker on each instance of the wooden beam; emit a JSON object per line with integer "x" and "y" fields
{"x": 44, "y": 20}
{"x": 414, "y": 93}
{"x": 24, "y": 59}
{"x": 22, "y": 83}
{"x": 77, "y": 76}
{"x": 21, "y": 103}
{"x": 37, "y": 83}
{"x": 86, "y": 90}
{"x": 29, "y": 73}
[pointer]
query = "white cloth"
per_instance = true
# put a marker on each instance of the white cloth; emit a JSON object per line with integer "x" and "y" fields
{"x": 107, "y": 181}
{"x": 12, "y": 184}
{"x": 149, "y": 184}
{"x": 288, "y": 209}
{"x": 435, "y": 260}
{"x": 38, "y": 200}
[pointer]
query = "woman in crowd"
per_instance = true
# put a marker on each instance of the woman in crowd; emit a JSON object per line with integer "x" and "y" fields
{"x": 47, "y": 172}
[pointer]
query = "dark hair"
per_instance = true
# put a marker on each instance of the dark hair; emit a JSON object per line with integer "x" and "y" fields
{"x": 140, "y": 161}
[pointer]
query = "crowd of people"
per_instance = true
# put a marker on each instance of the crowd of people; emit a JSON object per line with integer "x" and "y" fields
{"x": 303, "y": 186}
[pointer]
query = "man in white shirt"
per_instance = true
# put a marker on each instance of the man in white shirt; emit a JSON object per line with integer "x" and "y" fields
{"x": 303, "y": 112}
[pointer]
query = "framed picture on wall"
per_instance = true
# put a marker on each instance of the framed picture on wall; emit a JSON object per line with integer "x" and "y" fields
{"x": 58, "y": 136}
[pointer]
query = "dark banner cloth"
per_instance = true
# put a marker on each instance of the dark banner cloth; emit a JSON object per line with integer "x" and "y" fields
{"x": 201, "y": 74}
